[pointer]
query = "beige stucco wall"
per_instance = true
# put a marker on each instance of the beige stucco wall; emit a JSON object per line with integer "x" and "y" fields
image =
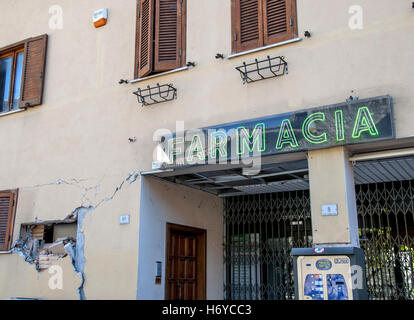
{"x": 80, "y": 133}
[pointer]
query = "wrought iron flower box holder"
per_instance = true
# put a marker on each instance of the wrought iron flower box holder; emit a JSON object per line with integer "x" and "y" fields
{"x": 265, "y": 69}
{"x": 157, "y": 94}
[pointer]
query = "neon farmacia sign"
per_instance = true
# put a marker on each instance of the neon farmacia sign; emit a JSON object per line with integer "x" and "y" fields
{"x": 347, "y": 123}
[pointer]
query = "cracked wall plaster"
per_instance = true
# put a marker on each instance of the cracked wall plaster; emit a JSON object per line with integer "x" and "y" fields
{"x": 76, "y": 252}
{"x": 78, "y": 256}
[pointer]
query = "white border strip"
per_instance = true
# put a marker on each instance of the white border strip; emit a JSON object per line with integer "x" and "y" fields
{"x": 159, "y": 75}
{"x": 145, "y": 173}
{"x": 11, "y": 112}
{"x": 264, "y": 48}
{"x": 382, "y": 155}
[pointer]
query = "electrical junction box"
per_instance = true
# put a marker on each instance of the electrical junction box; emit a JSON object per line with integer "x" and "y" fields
{"x": 100, "y": 17}
{"x": 332, "y": 273}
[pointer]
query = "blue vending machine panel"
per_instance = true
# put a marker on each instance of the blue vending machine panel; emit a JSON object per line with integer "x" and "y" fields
{"x": 336, "y": 287}
{"x": 326, "y": 273}
{"x": 314, "y": 286}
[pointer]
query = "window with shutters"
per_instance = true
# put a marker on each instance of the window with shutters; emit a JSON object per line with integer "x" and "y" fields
{"x": 258, "y": 23}
{"x": 22, "y": 67}
{"x": 160, "y": 36}
{"x": 7, "y": 210}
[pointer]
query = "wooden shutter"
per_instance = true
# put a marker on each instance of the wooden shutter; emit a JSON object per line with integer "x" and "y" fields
{"x": 31, "y": 92}
{"x": 169, "y": 34}
{"x": 7, "y": 209}
{"x": 145, "y": 36}
{"x": 137, "y": 43}
{"x": 279, "y": 21}
{"x": 247, "y": 26}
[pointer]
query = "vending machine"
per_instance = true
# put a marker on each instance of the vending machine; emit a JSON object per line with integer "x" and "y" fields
{"x": 331, "y": 273}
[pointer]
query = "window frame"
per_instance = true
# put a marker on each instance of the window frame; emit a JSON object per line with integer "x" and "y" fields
{"x": 33, "y": 71}
{"x": 238, "y": 48}
{"x": 12, "y": 52}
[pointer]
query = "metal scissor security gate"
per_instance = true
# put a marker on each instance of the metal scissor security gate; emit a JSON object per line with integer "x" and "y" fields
{"x": 386, "y": 231}
{"x": 259, "y": 233}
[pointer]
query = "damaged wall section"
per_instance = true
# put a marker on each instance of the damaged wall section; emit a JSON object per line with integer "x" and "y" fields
{"x": 43, "y": 243}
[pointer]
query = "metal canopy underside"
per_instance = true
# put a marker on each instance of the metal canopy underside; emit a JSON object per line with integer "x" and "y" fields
{"x": 287, "y": 176}
{"x": 384, "y": 170}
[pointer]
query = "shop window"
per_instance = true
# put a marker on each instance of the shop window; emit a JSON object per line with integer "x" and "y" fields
{"x": 7, "y": 211}
{"x": 22, "y": 67}
{"x": 160, "y": 36}
{"x": 258, "y": 23}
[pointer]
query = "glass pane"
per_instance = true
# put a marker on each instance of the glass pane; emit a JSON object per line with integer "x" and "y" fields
{"x": 18, "y": 80}
{"x": 5, "y": 75}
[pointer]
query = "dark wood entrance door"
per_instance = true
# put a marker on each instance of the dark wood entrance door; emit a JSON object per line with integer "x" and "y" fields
{"x": 186, "y": 263}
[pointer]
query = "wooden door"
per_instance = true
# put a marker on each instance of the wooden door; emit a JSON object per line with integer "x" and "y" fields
{"x": 185, "y": 268}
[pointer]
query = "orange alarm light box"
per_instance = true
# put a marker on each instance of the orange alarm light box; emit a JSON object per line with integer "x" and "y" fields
{"x": 100, "y": 17}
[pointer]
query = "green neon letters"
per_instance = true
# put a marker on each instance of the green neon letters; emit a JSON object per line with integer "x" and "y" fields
{"x": 306, "y": 131}
{"x": 173, "y": 150}
{"x": 339, "y": 125}
{"x": 196, "y": 149}
{"x": 333, "y": 125}
{"x": 218, "y": 142}
{"x": 257, "y": 138}
{"x": 364, "y": 122}
{"x": 286, "y": 135}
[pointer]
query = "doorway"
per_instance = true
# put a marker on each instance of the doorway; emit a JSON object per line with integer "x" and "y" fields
{"x": 260, "y": 232}
{"x": 185, "y": 263}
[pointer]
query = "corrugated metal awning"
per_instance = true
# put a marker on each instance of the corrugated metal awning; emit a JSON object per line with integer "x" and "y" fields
{"x": 384, "y": 170}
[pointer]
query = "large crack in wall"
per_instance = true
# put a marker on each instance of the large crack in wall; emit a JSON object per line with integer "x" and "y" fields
{"x": 77, "y": 256}
{"x": 73, "y": 249}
